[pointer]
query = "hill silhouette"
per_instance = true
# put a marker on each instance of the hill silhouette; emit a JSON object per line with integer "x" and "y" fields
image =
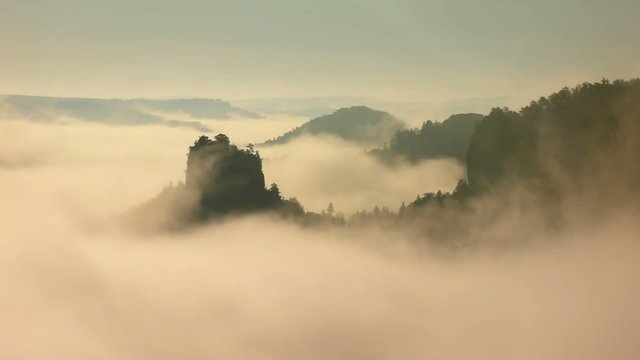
{"x": 228, "y": 179}
{"x": 221, "y": 179}
{"x": 573, "y": 140}
{"x": 575, "y": 144}
{"x": 449, "y": 138}
{"x": 198, "y": 108}
{"x": 358, "y": 124}
{"x": 118, "y": 111}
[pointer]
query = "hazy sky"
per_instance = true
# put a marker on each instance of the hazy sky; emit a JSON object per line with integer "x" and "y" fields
{"x": 428, "y": 50}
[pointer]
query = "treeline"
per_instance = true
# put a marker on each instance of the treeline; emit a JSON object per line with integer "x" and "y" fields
{"x": 448, "y": 139}
{"x": 571, "y": 154}
{"x": 560, "y": 142}
{"x": 581, "y": 141}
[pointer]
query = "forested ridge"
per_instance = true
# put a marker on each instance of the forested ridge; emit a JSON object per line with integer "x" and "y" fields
{"x": 447, "y": 139}
{"x": 571, "y": 141}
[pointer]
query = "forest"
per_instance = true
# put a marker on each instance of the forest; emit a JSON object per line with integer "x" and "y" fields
{"x": 575, "y": 142}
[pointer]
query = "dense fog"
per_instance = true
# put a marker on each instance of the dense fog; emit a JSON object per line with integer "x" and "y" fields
{"x": 78, "y": 285}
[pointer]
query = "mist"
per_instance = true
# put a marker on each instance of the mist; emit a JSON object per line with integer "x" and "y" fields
{"x": 319, "y": 170}
{"x": 222, "y": 291}
{"x": 286, "y": 180}
{"x": 77, "y": 285}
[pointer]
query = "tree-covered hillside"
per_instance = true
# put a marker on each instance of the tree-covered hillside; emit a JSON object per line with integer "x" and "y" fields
{"x": 577, "y": 143}
{"x": 575, "y": 138}
{"x": 449, "y": 138}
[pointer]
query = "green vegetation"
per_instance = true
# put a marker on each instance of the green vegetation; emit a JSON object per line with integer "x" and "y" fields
{"x": 228, "y": 179}
{"x": 221, "y": 179}
{"x": 577, "y": 146}
{"x": 562, "y": 140}
{"x": 449, "y": 138}
{"x": 574, "y": 142}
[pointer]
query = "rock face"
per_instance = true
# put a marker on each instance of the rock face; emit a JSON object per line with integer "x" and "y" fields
{"x": 358, "y": 124}
{"x": 221, "y": 179}
{"x": 228, "y": 179}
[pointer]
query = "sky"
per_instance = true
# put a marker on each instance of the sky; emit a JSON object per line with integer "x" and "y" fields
{"x": 400, "y": 50}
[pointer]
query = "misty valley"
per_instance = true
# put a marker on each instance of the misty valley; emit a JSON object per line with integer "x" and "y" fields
{"x": 577, "y": 145}
{"x": 205, "y": 230}
{"x": 319, "y": 180}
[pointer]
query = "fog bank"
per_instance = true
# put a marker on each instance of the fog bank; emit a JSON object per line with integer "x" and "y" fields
{"x": 77, "y": 286}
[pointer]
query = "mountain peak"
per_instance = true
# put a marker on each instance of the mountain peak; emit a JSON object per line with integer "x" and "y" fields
{"x": 356, "y": 123}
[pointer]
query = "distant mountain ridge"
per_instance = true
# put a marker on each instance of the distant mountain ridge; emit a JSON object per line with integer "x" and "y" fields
{"x": 357, "y": 123}
{"x": 201, "y": 108}
{"x": 120, "y": 111}
{"x": 413, "y": 112}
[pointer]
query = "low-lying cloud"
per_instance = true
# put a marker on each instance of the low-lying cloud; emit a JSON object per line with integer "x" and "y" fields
{"x": 77, "y": 286}
{"x": 319, "y": 170}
